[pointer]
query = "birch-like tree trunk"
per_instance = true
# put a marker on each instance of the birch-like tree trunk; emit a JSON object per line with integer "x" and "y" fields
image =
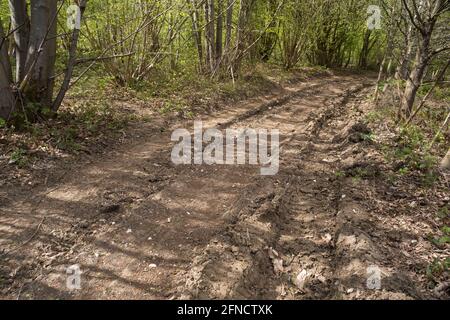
{"x": 21, "y": 23}
{"x": 6, "y": 94}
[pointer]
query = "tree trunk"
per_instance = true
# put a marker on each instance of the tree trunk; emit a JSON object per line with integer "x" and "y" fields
{"x": 415, "y": 79}
{"x": 219, "y": 32}
{"x": 6, "y": 95}
{"x": 445, "y": 164}
{"x": 42, "y": 52}
{"x": 244, "y": 10}
{"x": 422, "y": 103}
{"x": 268, "y": 40}
{"x": 51, "y": 54}
{"x": 71, "y": 63}
{"x": 4, "y": 58}
{"x": 7, "y": 103}
{"x": 21, "y": 23}
{"x": 210, "y": 42}
{"x": 230, "y": 7}
{"x": 197, "y": 34}
{"x": 403, "y": 67}
{"x": 365, "y": 49}
{"x": 172, "y": 34}
{"x": 425, "y": 26}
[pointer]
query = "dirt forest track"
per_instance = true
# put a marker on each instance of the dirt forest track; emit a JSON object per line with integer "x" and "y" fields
{"x": 140, "y": 227}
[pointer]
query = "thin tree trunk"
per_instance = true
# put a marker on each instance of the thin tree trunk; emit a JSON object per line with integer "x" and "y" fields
{"x": 6, "y": 95}
{"x": 210, "y": 41}
{"x": 50, "y": 50}
{"x": 172, "y": 34}
{"x": 21, "y": 25}
{"x": 70, "y": 64}
{"x": 442, "y": 128}
{"x": 425, "y": 26}
{"x": 242, "y": 21}
{"x": 219, "y": 32}
{"x": 403, "y": 67}
{"x": 380, "y": 74}
{"x": 230, "y": 7}
{"x": 365, "y": 50}
{"x": 207, "y": 36}
{"x": 415, "y": 79}
{"x": 422, "y": 103}
{"x": 197, "y": 34}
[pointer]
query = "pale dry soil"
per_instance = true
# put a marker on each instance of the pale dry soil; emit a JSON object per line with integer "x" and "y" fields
{"x": 140, "y": 227}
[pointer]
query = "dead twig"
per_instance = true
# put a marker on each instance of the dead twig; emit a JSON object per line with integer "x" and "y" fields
{"x": 36, "y": 231}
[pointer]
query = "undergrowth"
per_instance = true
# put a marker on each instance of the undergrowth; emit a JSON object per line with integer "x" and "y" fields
{"x": 410, "y": 150}
{"x": 97, "y": 109}
{"x": 414, "y": 160}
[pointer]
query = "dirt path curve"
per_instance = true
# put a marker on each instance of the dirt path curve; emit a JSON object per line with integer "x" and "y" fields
{"x": 140, "y": 227}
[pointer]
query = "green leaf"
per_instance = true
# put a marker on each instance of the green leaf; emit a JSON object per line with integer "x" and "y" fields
{"x": 446, "y": 230}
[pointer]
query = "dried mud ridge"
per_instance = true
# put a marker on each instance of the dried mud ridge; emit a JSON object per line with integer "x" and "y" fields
{"x": 140, "y": 227}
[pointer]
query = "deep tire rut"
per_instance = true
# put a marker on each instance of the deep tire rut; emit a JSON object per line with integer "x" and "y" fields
{"x": 142, "y": 227}
{"x": 288, "y": 227}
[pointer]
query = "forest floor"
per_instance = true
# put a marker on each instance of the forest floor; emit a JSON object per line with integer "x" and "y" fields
{"x": 141, "y": 227}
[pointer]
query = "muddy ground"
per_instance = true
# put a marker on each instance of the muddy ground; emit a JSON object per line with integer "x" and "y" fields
{"x": 141, "y": 227}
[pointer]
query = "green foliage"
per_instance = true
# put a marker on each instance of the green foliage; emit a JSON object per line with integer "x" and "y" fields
{"x": 409, "y": 152}
{"x": 442, "y": 93}
{"x": 326, "y": 33}
{"x": 423, "y": 89}
{"x": 65, "y": 139}
{"x": 339, "y": 174}
{"x": 443, "y": 212}
{"x": 379, "y": 115}
{"x": 75, "y": 129}
{"x": 446, "y": 230}
{"x": 443, "y": 239}
{"x": 412, "y": 151}
{"x": 369, "y": 137}
{"x": 4, "y": 10}
{"x": 374, "y": 116}
{"x": 438, "y": 267}
{"x": 19, "y": 157}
